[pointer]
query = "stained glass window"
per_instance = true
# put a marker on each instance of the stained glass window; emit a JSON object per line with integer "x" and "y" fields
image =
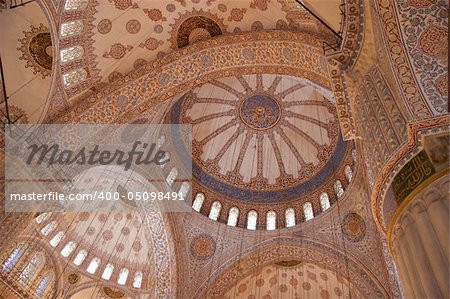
{"x": 74, "y": 77}
{"x": 75, "y": 4}
{"x": 338, "y": 188}
{"x": 324, "y": 201}
{"x": 233, "y": 215}
{"x": 42, "y": 286}
{"x": 271, "y": 220}
{"x": 13, "y": 258}
{"x": 71, "y": 28}
{"x": 348, "y": 173}
{"x": 71, "y": 53}
{"x": 80, "y": 257}
{"x": 252, "y": 217}
{"x": 215, "y": 210}
{"x": 184, "y": 189}
{"x": 123, "y": 275}
{"x": 49, "y": 228}
{"x": 172, "y": 176}
{"x": 198, "y": 201}
{"x": 29, "y": 271}
{"x": 108, "y": 271}
{"x": 137, "y": 281}
{"x": 56, "y": 239}
{"x": 92, "y": 268}
{"x": 68, "y": 249}
{"x": 308, "y": 211}
{"x": 290, "y": 217}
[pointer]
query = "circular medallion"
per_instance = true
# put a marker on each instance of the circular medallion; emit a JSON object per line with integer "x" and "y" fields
{"x": 354, "y": 227}
{"x": 260, "y": 112}
{"x": 203, "y": 247}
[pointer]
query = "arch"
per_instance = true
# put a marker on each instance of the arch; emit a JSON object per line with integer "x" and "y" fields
{"x": 338, "y": 189}
{"x": 71, "y": 28}
{"x": 49, "y": 228}
{"x": 290, "y": 217}
{"x": 233, "y": 215}
{"x": 308, "y": 212}
{"x": 74, "y": 77}
{"x": 12, "y": 259}
{"x": 72, "y": 53}
{"x": 324, "y": 201}
{"x": 172, "y": 176}
{"x": 198, "y": 201}
{"x": 57, "y": 238}
{"x": 31, "y": 268}
{"x": 75, "y": 4}
{"x": 137, "y": 280}
{"x": 42, "y": 217}
{"x": 215, "y": 210}
{"x": 184, "y": 189}
{"x": 252, "y": 218}
{"x": 43, "y": 284}
{"x": 271, "y": 220}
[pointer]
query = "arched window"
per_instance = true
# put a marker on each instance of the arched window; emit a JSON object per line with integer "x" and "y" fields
{"x": 74, "y": 77}
{"x": 215, "y": 210}
{"x": 233, "y": 215}
{"x": 108, "y": 271}
{"x": 68, "y": 249}
{"x": 71, "y": 28}
{"x": 354, "y": 155}
{"x": 13, "y": 258}
{"x": 338, "y": 188}
{"x": 30, "y": 270}
{"x": 92, "y": 268}
{"x": 348, "y": 173}
{"x": 308, "y": 211}
{"x": 42, "y": 217}
{"x": 198, "y": 201}
{"x": 160, "y": 141}
{"x": 80, "y": 257}
{"x": 324, "y": 201}
{"x": 71, "y": 53}
{"x": 75, "y": 4}
{"x": 271, "y": 220}
{"x": 172, "y": 176}
{"x": 49, "y": 228}
{"x": 56, "y": 239}
{"x": 123, "y": 275}
{"x": 252, "y": 218}
{"x": 137, "y": 281}
{"x": 290, "y": 217}
{"x": 166, "y": 157}
{"x": 43, "y": 284}
{"x": 184, "y": 189}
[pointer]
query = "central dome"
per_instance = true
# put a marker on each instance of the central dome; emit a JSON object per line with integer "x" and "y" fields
{"x": 260, "y": 112}
{"x": 261, "y": 138}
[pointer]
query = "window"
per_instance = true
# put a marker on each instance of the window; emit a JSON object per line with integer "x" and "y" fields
{"x": 71, "y": 53}
{"x": 354, "y": 155}
{"x": 80, "y": 257}
{"x": 108, "y": 271}
{"x": 68, "y": 249}
{"x": 198, "y": 201}
{"x": 308, "y": 211}
{"x": 49, "y": 228}
{"x": 29, "y": 271}
{"x": 71, "y": 28}
{"x": 290, "y": 217}
{"x": 123, "y": 275}
{"x": 95, "y": 262}
{"x": 338, "y": 188}
{"x": 75, "y": 4}
{"x": 271, "y": 220}
{"x": 13, "y": 258}
{"x": 56, "y": 239}
{"x": 42, "y": 217}
{"x": 42, "y": 286}
{"x": 137, "y": 281}
{"x": 324, "y": 201}
{"x": 233, "y": 215}
{"x": 184, "y": 189}
{"x": 215, "y": 210}
{"x": 252, "y": 217}
{"x": 172, "y": 176}
{"x": 166, "y": 157}
{"x": 74, "y": 77}
{"x": 348, "y": 173}
{"x": 160, "y": 141}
